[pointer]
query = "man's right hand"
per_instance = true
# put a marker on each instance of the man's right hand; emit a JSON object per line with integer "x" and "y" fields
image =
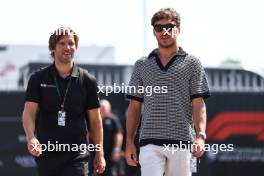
{"x": 131, "y": 154}
{"x": 34, "y": 147}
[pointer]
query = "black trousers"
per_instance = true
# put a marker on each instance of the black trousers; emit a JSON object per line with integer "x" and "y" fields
{"x": 62, "y": 164}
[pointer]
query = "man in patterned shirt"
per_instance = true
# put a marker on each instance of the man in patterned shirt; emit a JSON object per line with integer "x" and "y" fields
{"x": 171, "y": 118}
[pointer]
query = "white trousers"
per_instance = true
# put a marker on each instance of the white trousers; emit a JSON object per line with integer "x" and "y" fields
{"x": 155, "y": 161}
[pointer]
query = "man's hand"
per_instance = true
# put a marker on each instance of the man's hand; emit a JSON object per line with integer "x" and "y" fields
{"x": 116, "y": 155}
{"x": 131, "y": 154}
{"x": 34, "y": 147}
{"x": 198, "y": 147}
{"x": 99, "y": 163}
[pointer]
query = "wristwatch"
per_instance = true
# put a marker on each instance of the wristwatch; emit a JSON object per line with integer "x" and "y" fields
{"x": 202, "y": 134}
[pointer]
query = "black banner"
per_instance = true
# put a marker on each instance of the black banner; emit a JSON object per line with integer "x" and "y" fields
{"x": 233, "y": 119}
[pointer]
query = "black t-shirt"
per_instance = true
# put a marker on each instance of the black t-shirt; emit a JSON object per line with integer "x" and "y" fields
{"x": 111, "y": 126}
{"x": 82, "y": 95}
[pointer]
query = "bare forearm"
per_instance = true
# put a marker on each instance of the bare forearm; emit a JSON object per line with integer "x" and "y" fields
{"x": 133, "y": 117}
{"x": 199, "y": 115}
{"x": 97, "y": 132}
{"x": 118, "y": 140}
{"x": 28, "y": 125}
{"x": 96, "y": 128}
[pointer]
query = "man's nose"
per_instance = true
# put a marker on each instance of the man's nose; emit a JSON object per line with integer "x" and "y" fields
{"x": 67, "y": 47}
{"x": 166, "y": 31}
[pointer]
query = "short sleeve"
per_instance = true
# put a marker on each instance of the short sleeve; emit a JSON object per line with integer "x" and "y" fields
{"x": 33, "y": 89}
{"x": 92, "y": 99}
{"x": 136, "y": 82}
{"x": 198, "y": 81}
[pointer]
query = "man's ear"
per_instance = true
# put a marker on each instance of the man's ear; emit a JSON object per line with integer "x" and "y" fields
{"x": 52, "y": 53}
{"x": 154, "y": 32}
{"x": 178, "y": 30}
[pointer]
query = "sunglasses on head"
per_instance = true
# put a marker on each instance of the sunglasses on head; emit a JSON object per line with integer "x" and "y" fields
{"x": 160, "y": 27}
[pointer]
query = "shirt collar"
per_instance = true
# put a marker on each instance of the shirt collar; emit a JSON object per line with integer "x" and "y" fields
{"x": 154, "y": 53}
{"x": 74, "y": 71}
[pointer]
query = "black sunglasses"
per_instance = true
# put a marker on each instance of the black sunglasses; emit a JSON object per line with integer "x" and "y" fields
{"x": 160, "y": 27}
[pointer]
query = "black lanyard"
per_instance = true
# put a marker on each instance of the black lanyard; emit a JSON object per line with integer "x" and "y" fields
{"x": 66, "y": 92}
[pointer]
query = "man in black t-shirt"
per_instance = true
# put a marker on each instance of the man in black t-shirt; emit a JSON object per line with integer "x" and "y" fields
{"x": 64, "y": 96}
{"x": 113, "y": 136}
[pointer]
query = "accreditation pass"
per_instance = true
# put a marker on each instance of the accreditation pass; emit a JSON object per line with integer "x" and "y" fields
{"x": 61, "y": 118}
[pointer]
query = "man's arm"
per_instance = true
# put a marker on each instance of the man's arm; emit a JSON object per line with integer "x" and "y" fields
{"x": 96, "y": 128}
{"x": 118, "y": 140}
{"x": 117, "y": 146}
{"x": 28, "y": 120}
{"x": 199, "y": 118}
{"x": 133, "y": 118}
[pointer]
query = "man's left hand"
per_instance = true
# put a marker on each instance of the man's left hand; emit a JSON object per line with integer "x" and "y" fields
{"x": 99, "y": 163}
{"x": 198, "y": 147}
{"x": 116, "y": 155}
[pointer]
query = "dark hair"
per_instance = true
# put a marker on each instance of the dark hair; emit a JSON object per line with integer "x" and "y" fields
{"x": 166, "y": 13}
{"x": 58, "y": 34}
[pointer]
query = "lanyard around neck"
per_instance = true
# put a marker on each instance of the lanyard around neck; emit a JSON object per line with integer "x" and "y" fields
{"x": 66, "y": 92}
